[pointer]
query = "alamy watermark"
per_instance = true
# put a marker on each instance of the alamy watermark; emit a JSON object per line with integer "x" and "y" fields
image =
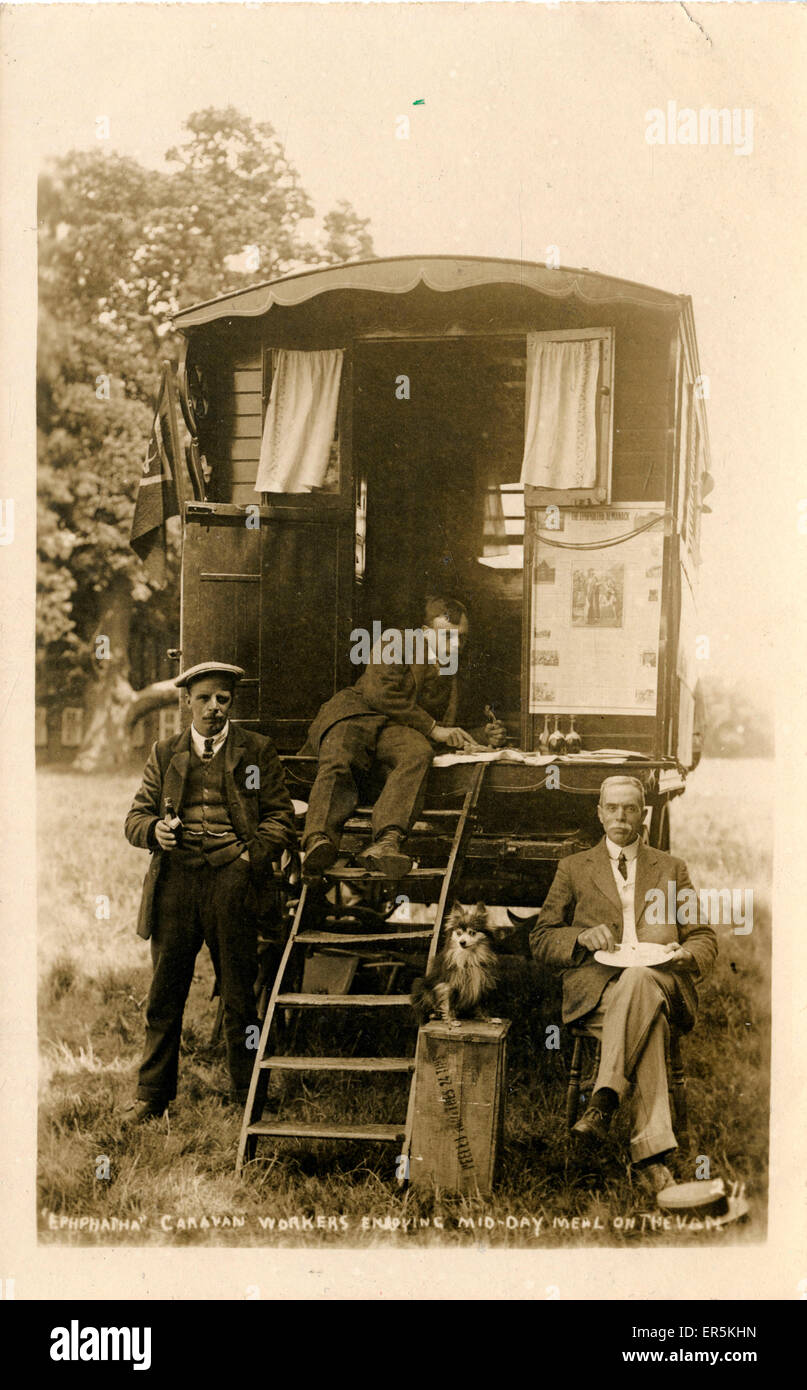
{"x": 407, "y": 646}
{"x": 687, "y": 907}
{"x": 708, "y": 126}
{"x": 76, "y": 1343}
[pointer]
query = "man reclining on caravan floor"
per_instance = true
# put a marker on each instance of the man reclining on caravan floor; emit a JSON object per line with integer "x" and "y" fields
{"x": 390, "y": 720}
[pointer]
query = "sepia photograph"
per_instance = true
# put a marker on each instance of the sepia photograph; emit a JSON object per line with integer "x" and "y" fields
{"x": 405, "y": 702}
{"x": 597, "y": 599}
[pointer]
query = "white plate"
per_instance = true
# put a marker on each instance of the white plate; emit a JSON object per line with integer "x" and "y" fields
{"x": 643, "y": 953}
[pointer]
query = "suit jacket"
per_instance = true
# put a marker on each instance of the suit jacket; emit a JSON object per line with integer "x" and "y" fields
{"x": 584, "y": 893}
{"x": 414, "y": 695}
{"x": 263, "y": 816}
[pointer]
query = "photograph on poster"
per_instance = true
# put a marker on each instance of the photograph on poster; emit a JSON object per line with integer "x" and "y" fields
{"x": 598, "y": 599}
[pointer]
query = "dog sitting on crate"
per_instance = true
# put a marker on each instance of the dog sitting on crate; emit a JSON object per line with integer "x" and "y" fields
{"x": 477, "y": 974}
{"x": 466, "y": 972}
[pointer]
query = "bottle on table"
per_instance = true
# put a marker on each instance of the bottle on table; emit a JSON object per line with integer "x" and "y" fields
{"x": 574, "y": 742}
{"x": 543, "y": 737}
{"x": 557, "y": 742}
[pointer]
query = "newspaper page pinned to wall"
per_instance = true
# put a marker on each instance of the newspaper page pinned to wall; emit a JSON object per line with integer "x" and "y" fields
{"x": 595, "y": 614}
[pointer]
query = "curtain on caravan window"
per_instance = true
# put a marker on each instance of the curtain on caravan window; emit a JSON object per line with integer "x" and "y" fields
{"x": 560, "y": 431}
{"x": 300, "y": 421}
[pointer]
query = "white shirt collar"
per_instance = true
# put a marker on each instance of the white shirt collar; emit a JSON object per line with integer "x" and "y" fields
{"x": 218, "y": 739}
{"x": 630, "y": 851}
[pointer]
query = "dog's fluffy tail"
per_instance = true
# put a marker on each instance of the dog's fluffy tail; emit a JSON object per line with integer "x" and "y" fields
{"x": 421, "y": 1000}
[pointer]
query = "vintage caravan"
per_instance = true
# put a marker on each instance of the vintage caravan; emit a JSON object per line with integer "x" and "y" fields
{"x": 569, "y": 529}
{"x": 530, "y": 440}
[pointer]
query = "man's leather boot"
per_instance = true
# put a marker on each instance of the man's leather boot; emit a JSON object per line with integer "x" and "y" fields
{"x": 384, "y": 854}
{"x": 319, "y": 854}
{"x": 592, "y": 1125}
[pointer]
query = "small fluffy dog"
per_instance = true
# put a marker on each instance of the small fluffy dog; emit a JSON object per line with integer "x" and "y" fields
{"x": 465, "y": 972}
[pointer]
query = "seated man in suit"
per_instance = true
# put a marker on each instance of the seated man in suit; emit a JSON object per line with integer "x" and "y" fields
{"x": 600, "y": 898}
{"x": 391, "y": 720}
{"x": 232, "y": 815}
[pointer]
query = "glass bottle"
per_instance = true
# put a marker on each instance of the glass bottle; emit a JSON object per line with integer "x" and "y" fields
{"x": 574, "y": 742}
{"x": 543, "y": 737}
{"x": 557, "y": 742}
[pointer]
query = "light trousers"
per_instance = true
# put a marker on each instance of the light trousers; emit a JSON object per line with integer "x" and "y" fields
{"x": 631, "y": 1024}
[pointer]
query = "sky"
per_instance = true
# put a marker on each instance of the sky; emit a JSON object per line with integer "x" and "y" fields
{"x": 531, "y": 133}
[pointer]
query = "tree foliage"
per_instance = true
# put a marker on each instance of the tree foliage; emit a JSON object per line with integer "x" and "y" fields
{"x": 738, "y": 725}
{"x": 122, "y": 248}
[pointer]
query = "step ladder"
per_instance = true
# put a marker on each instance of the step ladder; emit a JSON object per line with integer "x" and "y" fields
{"x": 329, "y": 931}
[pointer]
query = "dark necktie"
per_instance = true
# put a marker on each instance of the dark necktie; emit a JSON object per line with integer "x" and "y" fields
{"x": 622, "y": 865}
{"x": 208, "y": 753}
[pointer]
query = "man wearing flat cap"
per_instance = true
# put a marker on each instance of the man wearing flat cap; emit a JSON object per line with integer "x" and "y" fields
{"x": 602, "y": 899}
{"x": 225, "y": 786}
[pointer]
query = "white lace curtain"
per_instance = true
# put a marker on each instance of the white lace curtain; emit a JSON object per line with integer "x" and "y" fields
{"x": 300, "y": 420}
{"x": 560, "y": 429}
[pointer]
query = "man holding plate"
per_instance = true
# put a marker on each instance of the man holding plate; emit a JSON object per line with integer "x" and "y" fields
{"x": 625, "y": 977}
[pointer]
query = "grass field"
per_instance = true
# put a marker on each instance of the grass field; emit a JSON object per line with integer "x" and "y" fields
{"x": 172, "y": 1182}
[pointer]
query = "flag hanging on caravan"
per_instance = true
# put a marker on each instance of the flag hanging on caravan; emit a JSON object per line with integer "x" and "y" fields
{"x": 162, "y": 484}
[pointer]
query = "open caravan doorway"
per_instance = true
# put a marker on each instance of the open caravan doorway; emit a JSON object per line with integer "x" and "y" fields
{"x": 438, "y": 436}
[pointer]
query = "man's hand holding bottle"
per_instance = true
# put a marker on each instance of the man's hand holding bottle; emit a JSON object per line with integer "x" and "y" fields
{"x": 165, "y": 829}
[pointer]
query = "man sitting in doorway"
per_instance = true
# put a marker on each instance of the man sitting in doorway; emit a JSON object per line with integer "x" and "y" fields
{"x": 600, "y": 898}
{"x": 390, "y": 720}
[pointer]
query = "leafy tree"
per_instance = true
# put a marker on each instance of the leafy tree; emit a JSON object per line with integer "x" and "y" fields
{"x": 346, "y": 235}
{"x": 737, "y": 724}
{"x": 122, "y": 248}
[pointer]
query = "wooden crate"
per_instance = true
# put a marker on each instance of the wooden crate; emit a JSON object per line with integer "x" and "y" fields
{"x": 460, "y": 1078}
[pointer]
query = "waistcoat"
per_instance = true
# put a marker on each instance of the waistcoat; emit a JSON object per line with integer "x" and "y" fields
{"x": 208, "y": 835}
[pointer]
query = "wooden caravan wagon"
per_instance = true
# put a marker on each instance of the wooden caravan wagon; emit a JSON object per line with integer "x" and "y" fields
{"x": 529, "y": 440}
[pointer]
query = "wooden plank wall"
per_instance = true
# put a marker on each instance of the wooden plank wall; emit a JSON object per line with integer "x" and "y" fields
{"x": 641, "y": 414}
{"x": 240, "y": 423}
{"x": 222, "y": 605}
{"x": 640, "y": 417}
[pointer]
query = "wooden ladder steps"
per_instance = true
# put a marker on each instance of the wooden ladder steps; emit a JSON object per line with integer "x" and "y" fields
{"x": 367, "y": 1064}
{"x": 327, "y": 1129}
{"x": 307, "y": 931}
{"x": 326, "y": 938}
{"x": 341, "y": 1001}
{"x": 422, "y": 826}
{"x": 424, "y": 815}
{"x": 372, "y": 875}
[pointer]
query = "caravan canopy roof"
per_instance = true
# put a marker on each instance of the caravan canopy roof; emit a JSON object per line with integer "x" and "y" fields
{"x": 402, "y": 274}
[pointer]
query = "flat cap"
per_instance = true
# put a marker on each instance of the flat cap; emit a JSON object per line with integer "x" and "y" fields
{"x": 209, "y": 668}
